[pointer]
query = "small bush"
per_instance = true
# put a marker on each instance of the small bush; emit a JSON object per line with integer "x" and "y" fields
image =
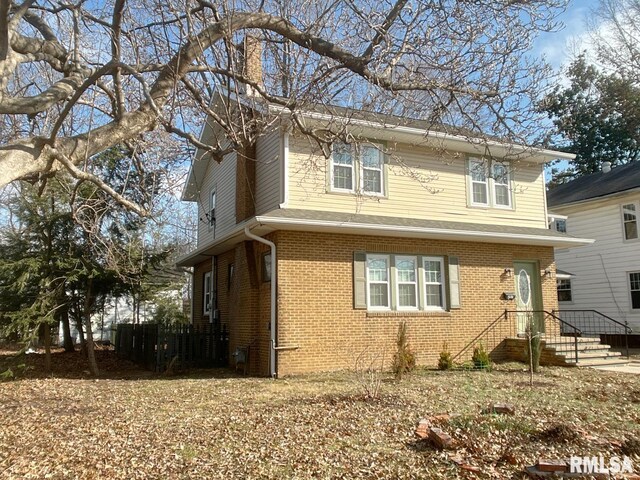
{"x": 404, "y": 360}
{"x": 446, "y": 361}
{"x": 481, "y": 358}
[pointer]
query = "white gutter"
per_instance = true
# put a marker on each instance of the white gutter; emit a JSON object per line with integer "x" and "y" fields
{"x": 272, "y": 343}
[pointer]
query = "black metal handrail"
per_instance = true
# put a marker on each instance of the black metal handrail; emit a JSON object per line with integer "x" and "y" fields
{"x": 492, "y": 326}
{"x": 505, "y": 326}
{"x": 595, "y": 323}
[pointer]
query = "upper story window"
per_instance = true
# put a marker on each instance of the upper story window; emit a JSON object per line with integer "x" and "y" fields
{"x": 489, "y": 183}
{"x": 357, "y": 168}
{"x": 630, "y": 221}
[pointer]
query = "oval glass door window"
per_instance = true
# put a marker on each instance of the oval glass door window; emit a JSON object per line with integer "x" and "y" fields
{"x": 524, "y": 287}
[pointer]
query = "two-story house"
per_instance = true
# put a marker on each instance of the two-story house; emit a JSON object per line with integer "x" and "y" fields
{"x": 313, "y": 255}
{"x": 604, "y": 276}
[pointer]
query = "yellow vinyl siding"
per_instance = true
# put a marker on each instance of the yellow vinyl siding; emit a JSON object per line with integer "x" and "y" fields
{"x": 421, "y": 184}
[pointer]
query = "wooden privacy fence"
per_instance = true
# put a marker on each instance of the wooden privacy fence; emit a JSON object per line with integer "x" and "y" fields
{"x": 157, "y": 346}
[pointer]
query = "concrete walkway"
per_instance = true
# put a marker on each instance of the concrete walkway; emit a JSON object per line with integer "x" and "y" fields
{"x": 632, "y": 367}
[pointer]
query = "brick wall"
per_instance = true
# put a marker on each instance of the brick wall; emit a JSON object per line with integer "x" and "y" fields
{"x": 315, "y": 299}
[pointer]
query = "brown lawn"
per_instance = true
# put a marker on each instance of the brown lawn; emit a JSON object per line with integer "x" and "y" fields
{"x": 133, "y": 424}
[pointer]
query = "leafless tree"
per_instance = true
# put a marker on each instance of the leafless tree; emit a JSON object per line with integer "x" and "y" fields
{"x": 615, "y": 32}
{"x": 78, "y": 77}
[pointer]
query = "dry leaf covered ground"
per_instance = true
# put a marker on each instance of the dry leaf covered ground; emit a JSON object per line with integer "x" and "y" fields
{"x": 133, "y": 424}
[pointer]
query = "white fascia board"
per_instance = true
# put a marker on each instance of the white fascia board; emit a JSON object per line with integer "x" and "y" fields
{"x": 455, "y": 142}
{"x": 422, "y": 232}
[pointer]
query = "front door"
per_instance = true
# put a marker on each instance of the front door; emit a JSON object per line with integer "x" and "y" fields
{"x": 528, "y": 297}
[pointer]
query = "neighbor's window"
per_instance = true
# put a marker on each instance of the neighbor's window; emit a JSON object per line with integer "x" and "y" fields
{"x": 434, "y": 283}
{"x": 378, "y": 282}
{"x": 266, "y": 267}
{"x": 206, "y": 289}
{"x": 630, "y": 221}
{"x": 634, "y": 287}
{"x": 407, "y": 282}
{"x": 489, "y": 183}
{"x": 342, "y": 167}
{"x": 564, "y": 290}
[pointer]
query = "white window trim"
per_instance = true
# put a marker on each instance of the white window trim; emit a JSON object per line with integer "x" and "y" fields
{"x": 624, "y": 232}
{"x": 332, "y": 186}
{"x": 387, "y": 258}
{"x": 570, "y": 289}
{"x": 357, "y": 171}
{"x": 443, "y": 284}
{"x": 493, "y": 184}
{"x": 206, "y": 294}
{"x": 631, "y": 309}
{"x": 378, "y": 149}
{"x": 471, "y": 182}
{"x": 415, "y": 283}
{"x": 489, "y": 184}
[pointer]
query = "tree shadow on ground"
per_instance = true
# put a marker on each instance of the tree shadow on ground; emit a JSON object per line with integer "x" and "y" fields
{"x": 15, "y": 365}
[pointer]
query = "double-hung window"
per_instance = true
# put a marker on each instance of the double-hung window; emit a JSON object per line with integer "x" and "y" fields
{"x": 372, "y": 163}
{"x": 564, "y": 290}
{"x": 378, "y": 282}
{"x": 634, "y": 289}
{"x": 479, "y": 182}
{"x": 357, "y": 168}
{"x": 489, "y": 183}
{"x": 407, "y": 282}
{"x": 342, "y": 168}
{"x": 630, "y": 221}
{"x": 434, "y": 283}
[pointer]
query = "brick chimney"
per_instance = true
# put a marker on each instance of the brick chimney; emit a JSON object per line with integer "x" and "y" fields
{"x": 252, "y": 68}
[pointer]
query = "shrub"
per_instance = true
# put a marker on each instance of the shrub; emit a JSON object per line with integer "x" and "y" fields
{"x": 404, "y": 360}
{"x": 481, "y": 358}
{"x": 446, "y": 361}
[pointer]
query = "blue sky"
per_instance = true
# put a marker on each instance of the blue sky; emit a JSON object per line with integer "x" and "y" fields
{"x": 558, "y": 47}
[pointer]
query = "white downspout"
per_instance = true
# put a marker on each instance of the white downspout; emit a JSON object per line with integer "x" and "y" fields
{"x": 272, "y": 343}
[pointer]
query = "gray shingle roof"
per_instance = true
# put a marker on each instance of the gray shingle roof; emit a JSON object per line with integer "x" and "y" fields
{"x": 356, "y": 218}
{"x": 619, "y": 179}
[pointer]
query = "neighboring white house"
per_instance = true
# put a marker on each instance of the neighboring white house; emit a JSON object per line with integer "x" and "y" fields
{"x": 603, "y": 276}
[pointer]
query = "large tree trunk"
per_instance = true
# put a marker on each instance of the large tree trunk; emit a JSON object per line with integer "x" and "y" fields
{"x": 91, "y": 354}
{"x": 83, "y": 343}
{"x": 47, "y": 347}
{"x": 66, "y": 330}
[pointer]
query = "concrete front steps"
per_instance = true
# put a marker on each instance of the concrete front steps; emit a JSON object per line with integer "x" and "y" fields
{"x": 561, "y": 351}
